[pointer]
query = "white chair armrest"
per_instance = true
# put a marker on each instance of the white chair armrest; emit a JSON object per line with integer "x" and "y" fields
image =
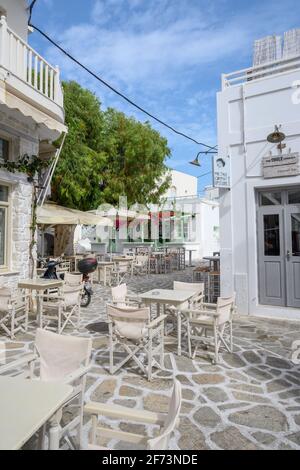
{"x": 77, "y": 374}
{"x": 156, "y": 322}
{"x": 19, "y": 362}
{"x": 122, "y": 412}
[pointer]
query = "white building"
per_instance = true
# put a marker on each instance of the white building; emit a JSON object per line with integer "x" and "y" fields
{"x": 31, "y": 118}
{"x": 198, "y": 228}
{"x": 260, "y": 213}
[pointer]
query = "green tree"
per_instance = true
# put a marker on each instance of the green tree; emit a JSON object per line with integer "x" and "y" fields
{"x": 107, "y": 155}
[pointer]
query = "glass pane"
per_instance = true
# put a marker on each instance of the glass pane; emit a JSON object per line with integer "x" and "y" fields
{"x": 3, "y": 193}
{"x": 294, "y": 196}
{"x": 271, "y": 199}
{"x": 296, "y": 234}
{"x": 4, "y": 149}
{"x": 2, "y": 236}
{"x": 271, "y": 235}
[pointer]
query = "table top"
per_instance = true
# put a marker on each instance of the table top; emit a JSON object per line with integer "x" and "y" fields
{"x": 39, "y": 283}
{"x": 25, "y": 406}
{"x": 212, "y": 258}
{"x": 167, "y": 296}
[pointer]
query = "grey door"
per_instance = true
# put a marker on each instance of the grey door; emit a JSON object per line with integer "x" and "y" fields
{"x": 292, "y": 241}
{"x": 271, "y": 256}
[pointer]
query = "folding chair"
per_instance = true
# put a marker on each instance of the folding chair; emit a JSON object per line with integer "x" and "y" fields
{"x": 73, "y": 279}
{"x": 120, "y": 272}
{"x": 167, "y": 422}
{"x": 120, "y": 297}
{"x": 140, "y": 265}
{"x": 14, "y": 309}
{"x": 64, "y": 309}
{"x": 194, "y": 302}
{"x": 64, "y": 359}
{"x": 131, "y": 329}
{"x": 216, "y": 318}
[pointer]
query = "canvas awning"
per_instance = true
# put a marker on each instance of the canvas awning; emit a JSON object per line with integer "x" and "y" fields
{"x": 52, "y": 214}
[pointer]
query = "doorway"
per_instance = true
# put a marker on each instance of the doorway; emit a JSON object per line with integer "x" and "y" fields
{"x": 278, "y": 225}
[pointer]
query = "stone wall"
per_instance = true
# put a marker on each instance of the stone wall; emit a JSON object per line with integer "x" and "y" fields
{"x": 23, "y": 137}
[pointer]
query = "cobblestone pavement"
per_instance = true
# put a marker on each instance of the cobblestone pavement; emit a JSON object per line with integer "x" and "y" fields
{"x": 251, "y": 400}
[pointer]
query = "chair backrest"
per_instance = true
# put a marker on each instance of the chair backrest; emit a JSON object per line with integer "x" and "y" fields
{"x": 122, "y": 266}
{"x": 142, "y": 259}
{"x": 61, "y": 355}
{"x": 5, "y": 297}
{"x": 197, "y": 287}
{"x": 73, "y": 279}
{"x": 71, "y": 294}
{"x": 119, "y": 294}
{"x": 225, "y": 306}
{"x": 129, "y": 322}
{"x": 161, "y": 442}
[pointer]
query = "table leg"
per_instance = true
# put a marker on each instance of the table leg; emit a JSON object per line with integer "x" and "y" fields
{"x": 39, "y": 308}
{"x": 54, "y": 432}
{"x": 179, "y": 333}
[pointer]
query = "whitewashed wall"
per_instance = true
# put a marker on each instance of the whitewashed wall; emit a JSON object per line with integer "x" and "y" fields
{"x": 17, "y": 16}
{"x": 246, "y": 115}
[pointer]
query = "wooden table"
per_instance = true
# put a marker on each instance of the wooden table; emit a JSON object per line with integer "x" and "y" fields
{"x": 39, "y": 285}
{"x": 170, "y": 297}
{"x": 25, "y": 406}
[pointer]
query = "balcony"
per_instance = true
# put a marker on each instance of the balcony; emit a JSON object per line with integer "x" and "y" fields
{"x": 261, "y": 72}
{"x": 31, "y": 84}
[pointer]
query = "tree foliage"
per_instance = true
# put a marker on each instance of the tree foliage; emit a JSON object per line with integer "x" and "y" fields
{"x": 107, "y": 155}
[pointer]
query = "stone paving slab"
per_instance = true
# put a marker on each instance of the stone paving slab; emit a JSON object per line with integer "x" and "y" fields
{"x": 251, "y": 400}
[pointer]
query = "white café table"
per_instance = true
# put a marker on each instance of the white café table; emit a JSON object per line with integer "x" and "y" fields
{"x": 26, "y": 405}
{"x": 40, "y": 285}
{"x": 174, "y": 298}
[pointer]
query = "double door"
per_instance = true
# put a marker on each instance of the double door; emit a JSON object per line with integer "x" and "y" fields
{"x": 279, "y": 247}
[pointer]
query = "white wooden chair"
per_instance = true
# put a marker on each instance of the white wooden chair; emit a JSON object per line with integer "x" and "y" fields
{"x": 214, "y": 318}
{"x": 120, "y": 297}
{"x": 58, "y": 358}
{"x": 14, "y": 309}
{"x": 62, "y": 307}
{"x": 141, "y": 265}
{"x": 195, "y": 302}
{"x": 167, "y": 422}
{"x": 73, "y": 279}
{"x": 120, "y": 272}
{"x": 131, "y": 329}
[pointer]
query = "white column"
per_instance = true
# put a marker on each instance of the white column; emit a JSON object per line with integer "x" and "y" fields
{"x": 3, "y": 42}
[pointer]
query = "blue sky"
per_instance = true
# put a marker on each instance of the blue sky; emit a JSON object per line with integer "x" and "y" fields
{"x": 167, "y": 55}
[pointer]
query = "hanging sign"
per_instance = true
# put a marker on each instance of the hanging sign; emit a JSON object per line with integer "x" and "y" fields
{"x": 221, "y": 171}
{"x": 276, "y": 166}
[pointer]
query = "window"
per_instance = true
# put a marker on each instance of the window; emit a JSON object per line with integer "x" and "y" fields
{"x": 294, "y": 197}
{"x": 271, "y": 235}
{"x": 270, "y": 199}
{"x": 4, "y": 207}
{"x": 4, "y": 149}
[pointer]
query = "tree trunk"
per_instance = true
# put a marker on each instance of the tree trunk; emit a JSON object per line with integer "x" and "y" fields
{"x": 64, "y": 240}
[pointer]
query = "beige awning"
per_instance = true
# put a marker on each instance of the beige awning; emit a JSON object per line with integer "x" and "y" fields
{"x": 122, "y": 213}
{"x": 52, "y": 214}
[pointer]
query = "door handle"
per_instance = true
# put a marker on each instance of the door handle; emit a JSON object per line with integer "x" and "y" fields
{"x": 288, "y": 255}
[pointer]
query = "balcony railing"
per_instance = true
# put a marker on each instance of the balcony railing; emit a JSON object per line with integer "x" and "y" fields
{"x": 20, "y": 60}
{"x": 260, "y": 72}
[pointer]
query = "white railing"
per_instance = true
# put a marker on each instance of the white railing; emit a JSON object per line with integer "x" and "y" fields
{"x": 19, "y": 59}
{"x": 260, "y": 71}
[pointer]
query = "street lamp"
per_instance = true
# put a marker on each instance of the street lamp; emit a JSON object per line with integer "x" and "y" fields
{"x": 196, "y": 161}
